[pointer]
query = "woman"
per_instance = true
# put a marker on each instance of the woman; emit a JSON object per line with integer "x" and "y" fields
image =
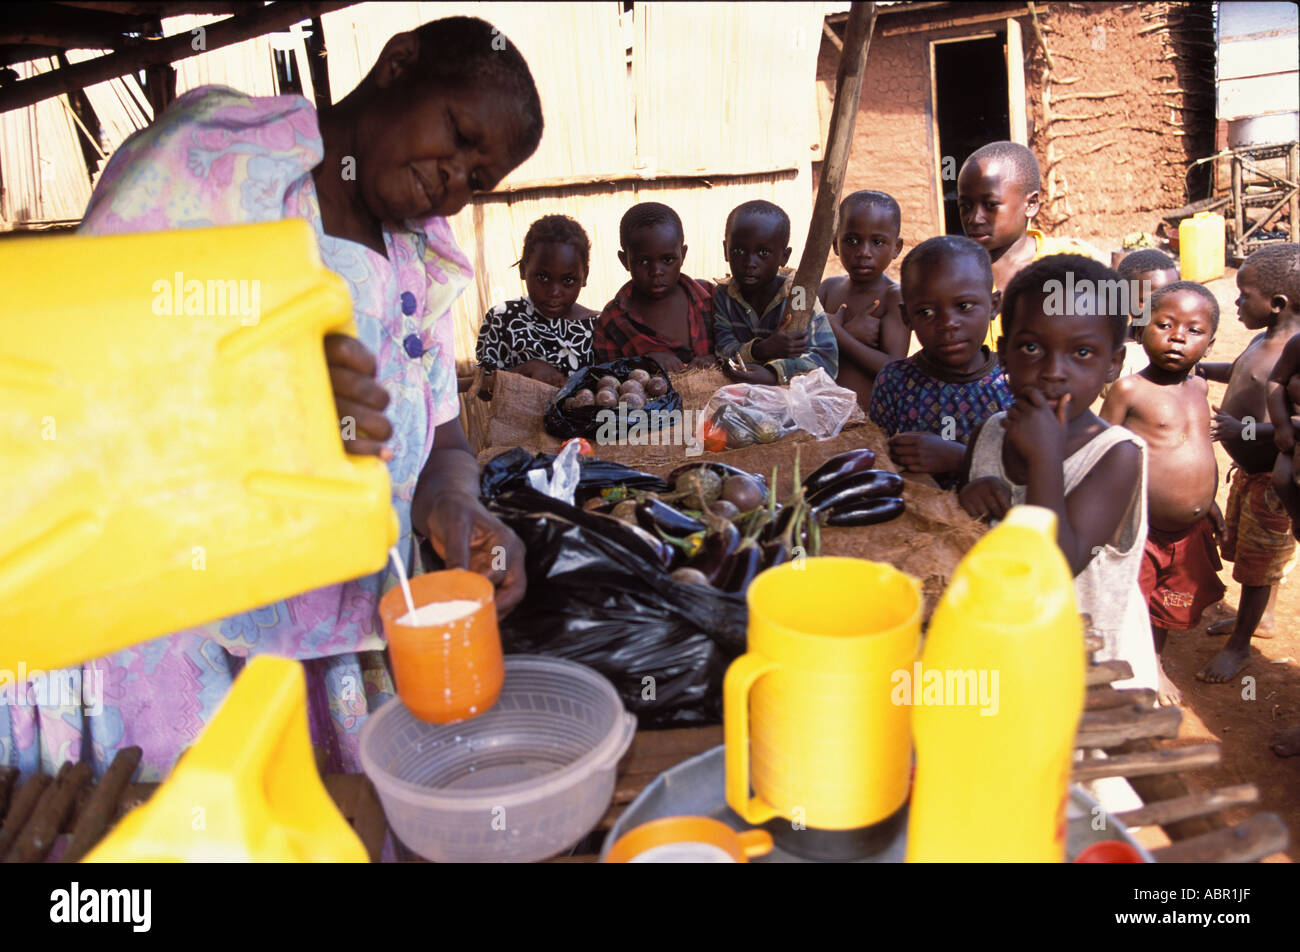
{"x": 447, "y": 110}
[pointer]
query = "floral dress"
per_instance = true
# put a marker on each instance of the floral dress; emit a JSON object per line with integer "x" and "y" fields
{"x": 218, "y": 157}
{"x": 513, "y": 333}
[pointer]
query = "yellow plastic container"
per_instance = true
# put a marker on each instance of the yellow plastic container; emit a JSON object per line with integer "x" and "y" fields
{"x": 993, "y": 770}
{"x": 171, "y": 449}
{"x": 1201, "y": 247}
{"x": 807, "y": 712}
{"x": 247, "y": 791}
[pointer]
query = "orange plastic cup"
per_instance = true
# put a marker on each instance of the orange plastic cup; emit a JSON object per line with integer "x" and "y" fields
{"x": 451, "y": 672}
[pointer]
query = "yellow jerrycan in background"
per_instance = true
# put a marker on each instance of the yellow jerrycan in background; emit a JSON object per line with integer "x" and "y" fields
{"x": 1202, "y": 247}
{"x": 247, "y": 791}
{"x": 171, "y": 450}
{"x": 993, "y": 769}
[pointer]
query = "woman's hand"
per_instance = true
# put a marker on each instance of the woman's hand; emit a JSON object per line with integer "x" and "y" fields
{"x": 985, "y": 498}
{"x": 359, "y": 398}
{"x": 466, "y": 536}
{"x": 541, "y": 370}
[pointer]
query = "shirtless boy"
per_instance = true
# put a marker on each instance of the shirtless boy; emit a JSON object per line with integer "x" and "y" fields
{"x": 1258, "y": 538}
{"x": 864, "y": 304}
{"x": 1168, "y": 406}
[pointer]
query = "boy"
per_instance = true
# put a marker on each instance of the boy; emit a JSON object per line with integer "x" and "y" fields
{"x": 660, "y": 313}
{"x": 1259, "y": 537}
{"x": 1168, "y": 406}
{"x": 1051, "y": 450}
{"x": 930, "y": 403}
{"x": 997, "y": 196}
{"x": 748, "y": 307}
{"x": 1144, "y": 272}
{"x": 864, "y": 303}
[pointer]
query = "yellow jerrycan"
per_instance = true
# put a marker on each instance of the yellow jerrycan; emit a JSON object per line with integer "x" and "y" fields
{"x": 1201, "y": 247}
{"x": 171, "y": 450}
{"x": 247, "y": 791}
{"x": 807, "y": 714}
{"x": 996, "y": 702}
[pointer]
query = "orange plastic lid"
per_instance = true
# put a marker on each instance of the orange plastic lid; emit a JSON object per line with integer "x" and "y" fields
{"x": 688, "y": 839}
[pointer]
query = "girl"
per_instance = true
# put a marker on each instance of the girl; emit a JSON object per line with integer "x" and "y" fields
{"x": 545, "y": 335}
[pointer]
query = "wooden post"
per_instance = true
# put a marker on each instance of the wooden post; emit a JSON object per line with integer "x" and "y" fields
{"x": 848, "y": 88}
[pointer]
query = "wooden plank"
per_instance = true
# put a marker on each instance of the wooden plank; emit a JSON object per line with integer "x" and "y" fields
{"x": 649, "y": 175}
{"x": 24, "y": 803}
{"x": 1016, "y": 107}
{"x": 1196, "y": 804}
{"x": 1169, "y": 786}
{"x": 98, "y": 812}
{"x": 1103, "y": 696}
{"x": 1250, "y": 841}
{"x": 848, "y": 89}
{"x": 1104, "y": 672}
{"x": 1147, "y": 762}
{"x": 936, "y": 25}
{"x": 1114, "y": 726}
{"x": 40, "y": 831}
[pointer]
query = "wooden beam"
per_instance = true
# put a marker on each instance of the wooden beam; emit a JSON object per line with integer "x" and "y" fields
{"x": 1195, "y": 804}
{"x": 1116, "y": 725}
{"x": 570, "y": 181}
{"x": 936, "y": 25}
{"x": 1250, "y": 841}
{"x": 1147, "y": 762}
{"x": 832, "y": 36}
{"x": 848, "y": 90}
{"x": 161, "y": 8}
{"x": 232, "y": 30}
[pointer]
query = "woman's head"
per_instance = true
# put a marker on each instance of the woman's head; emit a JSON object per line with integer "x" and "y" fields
{"x": 554, "y": 264}
{"x": 447, "y": 110}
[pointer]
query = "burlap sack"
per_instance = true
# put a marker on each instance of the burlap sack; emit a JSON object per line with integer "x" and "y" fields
{"x": 515, "y": 413}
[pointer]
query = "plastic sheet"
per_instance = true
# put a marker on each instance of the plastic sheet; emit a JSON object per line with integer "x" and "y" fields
{"x": 586, "y": 421}
{"x": 598, "y": 597}
{"x": 509, "y": 471}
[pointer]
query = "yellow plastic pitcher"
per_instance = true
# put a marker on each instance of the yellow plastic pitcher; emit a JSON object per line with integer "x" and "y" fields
{"x": 998, "y": 702}
{"x": 247, "y": 791}
{"x": 171, "y": 450}
{"x": 1201, "y": 247}
{"x": 807, "y": 711}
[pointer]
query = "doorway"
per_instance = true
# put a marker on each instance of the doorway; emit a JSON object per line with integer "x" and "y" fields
{"x": 970, "y": 108}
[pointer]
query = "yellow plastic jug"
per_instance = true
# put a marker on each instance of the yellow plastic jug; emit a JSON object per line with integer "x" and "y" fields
{"x": 171, "y": 450}
{"x": 996, "y": 702}
{"x": 1201, "y": 247}
{"x": 247, "y": 791}
{"x": 809, "y": 704}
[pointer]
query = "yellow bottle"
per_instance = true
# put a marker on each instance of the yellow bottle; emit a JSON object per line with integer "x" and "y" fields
{"x": 1201, "y": 243}
{"x": 993, "y": 770}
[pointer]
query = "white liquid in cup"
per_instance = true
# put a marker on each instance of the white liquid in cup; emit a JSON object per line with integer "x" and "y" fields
{"x": 684, "y": 852}
{"x": 440, "y": 613}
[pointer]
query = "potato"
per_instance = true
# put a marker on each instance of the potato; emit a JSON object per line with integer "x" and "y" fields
{"x": 656, "y": 387}
{"x": 606, "y": 398}
{"x": 631, "y": 386}
{"x": 608, "y": 382}
{"x": 584, "y": 398}
{"x": 640, "y": 376}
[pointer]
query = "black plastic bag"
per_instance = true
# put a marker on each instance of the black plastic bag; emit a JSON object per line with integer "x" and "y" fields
{"x": 586, "y": 421}
{"x": 508, "y": 471}
{"x": 663, "y": 644}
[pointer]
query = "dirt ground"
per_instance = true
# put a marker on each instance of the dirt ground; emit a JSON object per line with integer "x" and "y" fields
{"x": 1244, "y": 726}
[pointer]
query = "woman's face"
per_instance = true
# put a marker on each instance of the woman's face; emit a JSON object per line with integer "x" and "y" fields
{"x": 425, "y": 152}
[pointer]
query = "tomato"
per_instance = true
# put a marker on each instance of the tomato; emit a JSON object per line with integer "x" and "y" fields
{"x": 715, "y": 438}
{"x": 584, "y": 448}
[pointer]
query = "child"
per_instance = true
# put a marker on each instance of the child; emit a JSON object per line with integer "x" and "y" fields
{"x": 660, "y": 313}
{"x": 997, "y": 196}
{"x": 1051, "y": 450}
{"x": 931, "y": 402}
{"x": 1259, "y": 537}
{"x": 1168, "y": 406}
{"x": 749, "y": 306}
{"x": 1143, "y": 272}
{"x": 545, "y": 335}
{"x": 864, "y": 304}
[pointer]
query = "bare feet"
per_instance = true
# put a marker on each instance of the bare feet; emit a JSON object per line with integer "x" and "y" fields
{"x": 1225, "y": 665}
{"x": 1225, "y": 626}
{"x": 1287, "y": 743}
{"x": 1170, "y": 696}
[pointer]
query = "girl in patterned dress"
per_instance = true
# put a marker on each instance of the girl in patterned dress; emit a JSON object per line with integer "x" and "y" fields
{"x": 545, "y": 335}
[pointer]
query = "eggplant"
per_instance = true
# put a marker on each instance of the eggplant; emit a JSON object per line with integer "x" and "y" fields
{"x": 867, "y": 513}
{"x": 774, "y": 553}
{"x": 745, "y": 563}
{"x": 722, "y": 470}
{"x": 652, "y": 514}
{"x": 873, "y": 484}
{"x": 837, "y": 468}
{"x": 714, "y": 554}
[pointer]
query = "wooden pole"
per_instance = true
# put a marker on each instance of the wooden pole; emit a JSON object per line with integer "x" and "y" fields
{"x": 179, "y": 46}
{"x": 848, "y": 88}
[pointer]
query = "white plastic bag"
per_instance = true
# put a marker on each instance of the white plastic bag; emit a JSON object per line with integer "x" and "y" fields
{"x": 754, "y": 413}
